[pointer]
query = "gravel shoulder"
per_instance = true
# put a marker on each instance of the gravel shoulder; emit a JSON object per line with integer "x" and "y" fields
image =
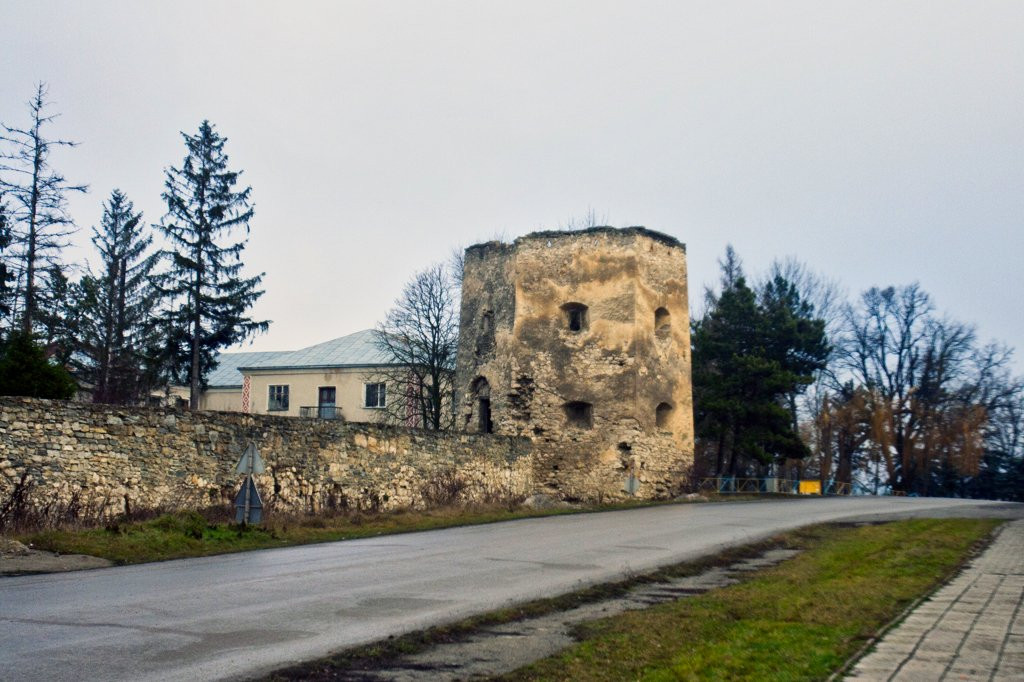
{"x": 17, "y": 559}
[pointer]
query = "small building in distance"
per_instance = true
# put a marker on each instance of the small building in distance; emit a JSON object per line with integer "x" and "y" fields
{"x": 345, "y": 378}
{"x": 581, "y": 341}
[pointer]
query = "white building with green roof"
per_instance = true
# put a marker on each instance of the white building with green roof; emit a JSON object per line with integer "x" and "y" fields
{"x": 339, "y": 379}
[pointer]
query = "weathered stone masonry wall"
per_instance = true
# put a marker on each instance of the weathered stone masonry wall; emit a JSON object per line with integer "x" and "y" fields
{"x": 148, "y": 457}
{"x": 523, "y": 365}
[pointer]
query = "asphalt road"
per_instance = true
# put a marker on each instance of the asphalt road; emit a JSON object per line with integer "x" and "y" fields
{"x": 239, "y": 615}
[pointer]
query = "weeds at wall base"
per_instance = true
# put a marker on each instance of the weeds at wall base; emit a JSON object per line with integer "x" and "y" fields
{"x": 70, "y": 524}
{"x": 160, "y": 534}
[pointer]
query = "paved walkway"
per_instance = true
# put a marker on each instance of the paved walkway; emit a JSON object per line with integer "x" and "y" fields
{"x": 971, "y": 629}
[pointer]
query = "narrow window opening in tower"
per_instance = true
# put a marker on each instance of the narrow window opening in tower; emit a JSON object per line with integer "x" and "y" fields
{"x": 575, "y": 316}
{"x": 484, "y": 410}
{"x": 579, "y": 414}
{"x": 482, "y": 392}
{"x": 485, "y": 341}
{"x": 663, "y": 415}
{"x": 662, "y": 322}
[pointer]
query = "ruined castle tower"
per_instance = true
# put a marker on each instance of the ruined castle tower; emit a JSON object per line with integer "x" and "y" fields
{"x": 581, "y": 341}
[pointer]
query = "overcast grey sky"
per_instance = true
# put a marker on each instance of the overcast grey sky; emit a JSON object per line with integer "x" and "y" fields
{"x": 879, "y": 142}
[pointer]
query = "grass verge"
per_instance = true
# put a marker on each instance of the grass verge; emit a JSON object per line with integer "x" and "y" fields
{"x": 800, "y": 620}
{"x": 379, "y": 654}
{"x": 190, "y": 534}
{"x": 181, "y": 534}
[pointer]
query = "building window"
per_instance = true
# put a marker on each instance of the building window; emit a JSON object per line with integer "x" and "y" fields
{"x": 575, "y": 316}
{"x": 662, "y": 415}
{"x": 579, "y": 414}
{"x": 277, "y": 399}
{"x": 376, "y": 395}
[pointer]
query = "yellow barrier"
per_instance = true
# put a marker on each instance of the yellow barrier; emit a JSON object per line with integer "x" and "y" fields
{"x": 810, "y": 487}
{"x": 778, "y": 486}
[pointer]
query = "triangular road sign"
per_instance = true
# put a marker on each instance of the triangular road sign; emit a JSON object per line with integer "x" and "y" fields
{"x": 255, "y": 501}
{"x": 250, "y": 462}
{"x": 251, "y": 510}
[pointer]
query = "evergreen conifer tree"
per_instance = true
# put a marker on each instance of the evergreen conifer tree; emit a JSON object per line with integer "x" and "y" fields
{"x": 750, "y": 354}
{"x": 57, "y": 314}
{"x": 206, "y": 297}
{"x": 116, "y": 328}
{"x": 25, "y": 371}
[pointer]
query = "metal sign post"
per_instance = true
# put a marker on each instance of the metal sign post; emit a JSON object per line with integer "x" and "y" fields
{"x": 248, "y": 503}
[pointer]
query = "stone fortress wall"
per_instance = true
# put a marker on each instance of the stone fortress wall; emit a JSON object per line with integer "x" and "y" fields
{"x": 573, "y": 379}
{"x": 122, "y": 458}
{"x": 580, "y": 341}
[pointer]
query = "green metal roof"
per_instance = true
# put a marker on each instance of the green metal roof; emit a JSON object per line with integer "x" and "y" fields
{"x": 354, "y": 350}
{"x": 226, "y": 375}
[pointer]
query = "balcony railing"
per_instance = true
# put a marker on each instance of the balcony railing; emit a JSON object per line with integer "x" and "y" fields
{"x": 321, "y": 412}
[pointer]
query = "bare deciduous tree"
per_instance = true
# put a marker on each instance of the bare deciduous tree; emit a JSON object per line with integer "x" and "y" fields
{"x": 420, "y": 337}
{"x": 928, "y": 389}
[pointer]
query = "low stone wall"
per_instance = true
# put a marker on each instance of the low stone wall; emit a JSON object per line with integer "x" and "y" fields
{"x": 109, "y": 459}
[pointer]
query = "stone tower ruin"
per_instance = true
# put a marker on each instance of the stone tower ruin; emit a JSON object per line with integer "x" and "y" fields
{"x": 581, "y": 341}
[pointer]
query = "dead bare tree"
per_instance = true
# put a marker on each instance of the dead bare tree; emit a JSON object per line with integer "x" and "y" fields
{"x": 420, "y": 336}
{"x": 40, "y": 217}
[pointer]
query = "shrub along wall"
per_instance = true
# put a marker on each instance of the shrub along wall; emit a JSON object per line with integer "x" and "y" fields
{"x": 108, "y": 459}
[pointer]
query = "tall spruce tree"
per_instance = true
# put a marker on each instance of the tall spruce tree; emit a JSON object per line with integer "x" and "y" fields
{"x": 57, "y": 314}
{"x": 206, "y": 297}
{"x": 116, "y": 323}
{"x": 41, "y": 221}
{"x": 750, "y": 354}
{"x": 794, "y": 336}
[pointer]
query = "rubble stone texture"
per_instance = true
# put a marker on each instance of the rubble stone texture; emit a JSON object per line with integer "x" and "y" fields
{"x": 580, "y": 341}
{"x": 106, "y": 460}
{"x": 573, "y": 381}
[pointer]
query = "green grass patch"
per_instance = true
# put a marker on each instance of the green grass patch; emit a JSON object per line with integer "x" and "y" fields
{"x": 800, "y": 620}
{"x": 382, "y": 653}
{"x": 191, "y": 534}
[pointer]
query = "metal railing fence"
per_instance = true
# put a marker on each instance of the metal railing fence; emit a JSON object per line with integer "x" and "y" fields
{"x": 320, "y": 412}
{"x": 728, "y": 485}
